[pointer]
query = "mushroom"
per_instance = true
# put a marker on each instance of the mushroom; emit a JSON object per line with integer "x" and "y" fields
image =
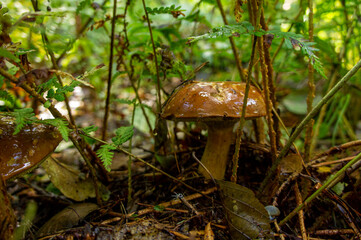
{"x": 24, "y": 151}
{"x": 219, "y": 106}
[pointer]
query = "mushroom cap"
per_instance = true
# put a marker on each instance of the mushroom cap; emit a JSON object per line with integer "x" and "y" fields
{"x": 213, "y": 101}
{"x": 25, "y": 150}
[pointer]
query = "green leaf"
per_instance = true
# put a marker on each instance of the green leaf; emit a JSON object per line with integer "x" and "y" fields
{"x": 106, "y": 155}
{"x": 125, "y": 101}
{"x": 90, "y": 129}
{"x": 4, "y": 95}
{"x": 47, "y": 85}
{"x": 61, "y": 125}
{"x": 123, "y": 134}
{"x": 47, "y": 104}
{"x": 164, "y": 10}
{"x": 5, "y": 53}
{"x": 22, "y": 117}
{"x": 82, "y": 5}
{"x": 292, "y": 40}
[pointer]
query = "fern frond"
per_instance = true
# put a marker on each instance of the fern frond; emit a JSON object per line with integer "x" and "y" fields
{"x": 106, "y": 155}
{"x": 90, "y": 129}
{"x": 4, "y": 95}
{"x": 292, "y": 40}
{"x": 164, "y": 10}
{"x": 123, "y": 134}
{"x": 61, "y": 125}
{"x": 22, "y": 117}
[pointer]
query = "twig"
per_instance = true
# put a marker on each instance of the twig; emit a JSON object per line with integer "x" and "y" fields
{"x": 242, "y": 120}
{"x": 174, "y": 202}
{"x": 233, "y": 45}
{"x": 109, "y": 83}
{"x": 337, "y": 149}
{"x": 300, "y": 213}
{"x": 304, "y": 122}
{"x": 312, "y": 88}
{"x": 159, "y": 100}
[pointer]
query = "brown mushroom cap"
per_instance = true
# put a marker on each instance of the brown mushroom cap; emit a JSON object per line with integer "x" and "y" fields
{"x": 213, "y": 101}
{"x": 21, "y": 152}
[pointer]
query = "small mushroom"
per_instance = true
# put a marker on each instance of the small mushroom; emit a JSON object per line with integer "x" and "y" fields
{"x": 219, "y": 106}
{"x": 24, "y": 151}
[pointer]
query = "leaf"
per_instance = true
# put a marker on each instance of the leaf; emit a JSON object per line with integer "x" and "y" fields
{"x": 5, "y": 53}
{"x": 82, "y": 5}
{"x": 62, "y": 126}
{"x": 123, "y": 134}
{"x": 47, "y": 85}
{"x": 246, "y": 216}
{"x": 90, "y": 129}
{"x": 22, "y": 117}
{"x": 67, "y": 218}
{"x": 125, "y": 101}
{"x": 290, "y": 164}
{"x": 245, "y": 28}
{"x": 69, "y": 180}
{"x": 106, "y": 155}
{"x": 295, "y": 103}
{"x": 4, "y": 95}
{"x": 164, "y": 10}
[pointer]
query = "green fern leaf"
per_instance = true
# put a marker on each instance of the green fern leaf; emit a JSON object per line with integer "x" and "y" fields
{"x": 4, "y": 95}
{"x": 123, "y": 134}
{"x": 125, "y": 101}
{"x": 90, "y": 129}
{"x": 5, "y": 53}
{"x": 106, "y": 155}
{"x": 292, "y": 40}
{"x": 61, "y": 125}
{"x": 22, "y": 117}
{"x": 164, "y": 10}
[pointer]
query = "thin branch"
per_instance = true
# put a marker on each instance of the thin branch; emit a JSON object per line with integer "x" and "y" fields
{"x": 312, "y": 89}
{"x": 109, "y": 83}
{"x": 242, "y": 120}
{"x": 233, "y": 45}
{"x": 159, "y": 100}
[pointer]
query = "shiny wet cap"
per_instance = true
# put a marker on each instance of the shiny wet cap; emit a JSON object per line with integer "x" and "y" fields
{"x": 21, "y": 152}
{"x": 212, "y": 101}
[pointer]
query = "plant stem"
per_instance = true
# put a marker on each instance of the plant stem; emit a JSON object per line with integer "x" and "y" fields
{"x": 306, "y": 120}
{"x": 242, "y": 120}
{"x": 109, "y": 83}
{"x": 233, "y": 45}
{"x": 159, "y": 100}
{"x": 311, "y": 86}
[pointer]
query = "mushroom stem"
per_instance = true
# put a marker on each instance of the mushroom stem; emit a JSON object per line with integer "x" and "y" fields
{"x": 216, "y": 152}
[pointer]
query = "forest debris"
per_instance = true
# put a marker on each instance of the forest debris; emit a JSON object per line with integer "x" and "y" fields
{"x": 172, "y": 202}
{"x": 208, "y": 233}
